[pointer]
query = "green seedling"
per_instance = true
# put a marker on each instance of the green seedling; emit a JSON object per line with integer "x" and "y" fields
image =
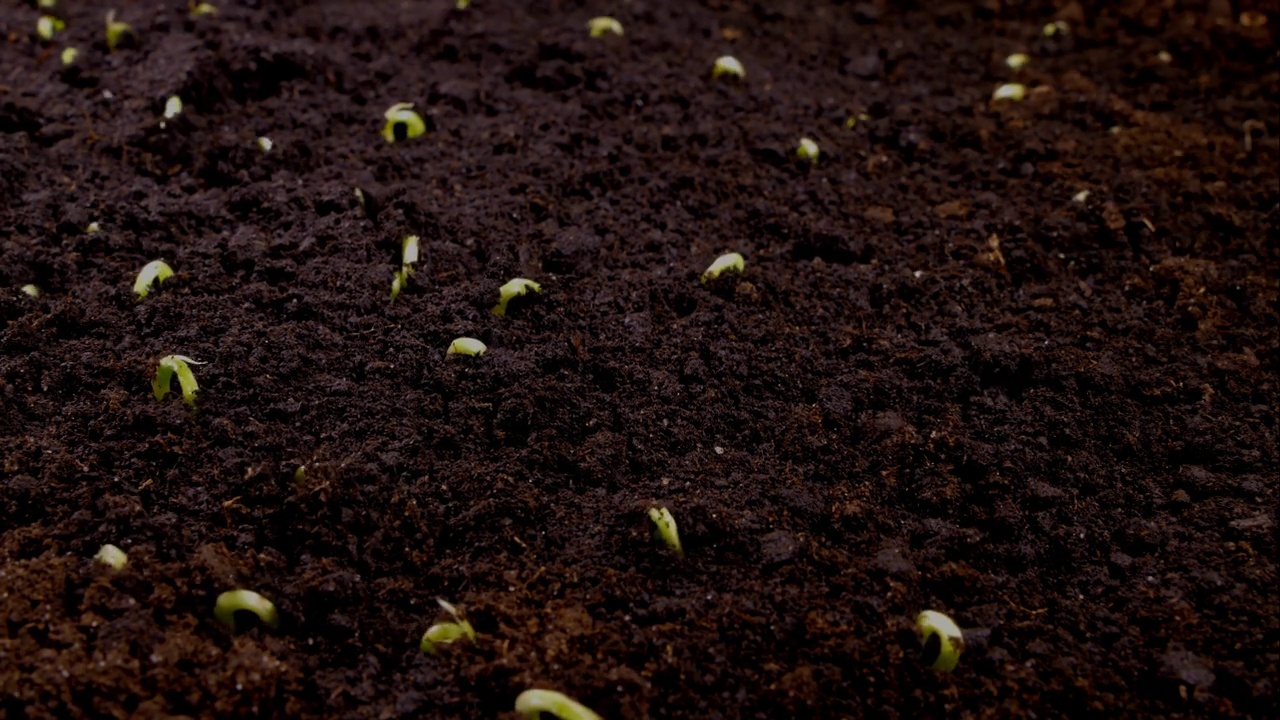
{"x": 941, "y": 640}
{"x": 172, "y": 107}
{"x": 156, "y": 271}
{"x": 48, "y": 25}
{"x": 466, "y": 346}
{"x": 408, "y": 256}
{"x": 532, "y": 703}
{"x": 462, "y": 4}
{"x": 402, "y": 123}
{"x": 729, "y": 262}
{"x": 448, "y": 632}
{"x": 519, "y": 287}
{"x": 727, "y": 65}
{"x": 112, "y": 556}
{"x": 807, "y": 150}
{"x": 69, "y": 56}
{"x": 234, "y": 601}
{"x": 31, "y": 291}
{"x": 1010, "y": 91}
{"x": 601, "y": 26}
{"x": 666, "y": 528}
{"x": 264, "y": 143}
{"x": 118, "y": 32}
{"x": 1017, "y": 61}
{"x": 203, "y": 9}
{"x": 179, "y": 365}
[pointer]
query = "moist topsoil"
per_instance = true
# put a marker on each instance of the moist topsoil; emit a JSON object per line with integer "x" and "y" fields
{"x": 1014, "y": 361}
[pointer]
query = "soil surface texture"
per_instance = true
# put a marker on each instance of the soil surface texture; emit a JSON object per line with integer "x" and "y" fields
{"x": 1010, "y": 360}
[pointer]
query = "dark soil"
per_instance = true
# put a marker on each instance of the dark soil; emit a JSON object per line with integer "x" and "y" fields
{"x": 941, "y": 382}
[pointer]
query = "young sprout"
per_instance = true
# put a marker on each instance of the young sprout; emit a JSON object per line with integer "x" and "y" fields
{"x": 727, "y": 65}
{"x": 1010, "y": 91}
{"x": 398, "y": 280}
{"x": 93, "y": 227}
{"x": 807, "y": 150}
{"x": 408, "y": 256}
{"x": 47, "y": 25}
{"x": 69, "y": 56}
{"x": 447, "y": 633}
{"x": 112, "y": 556}
{"x": 233, "y": 601}
{"x": 667, "y": 530}
{"x": 1081, "y": 196}
{"x": 466, "y": 346}
{"x": 156, "y": 271}
{"x": 31, "y": 291}
{"x": 172, "y": 107}
{"x": 519, "y": 287}
{"x": 402, "y": 123}
{"x": 728, "y": 262}
{"x": 462, "y": 4}
{"x": 203, "y": 9}
{"x": 409, "y": 250}
{"x": 532, "y": 703}
{"x": 1057, "y": 27}
{"x": 265, "y": 143}
{"x": 179, "y": 365}
{"x": 941, "y": 639}
{"x": 599, "y": 26}
{"x": 117, "y": 31}
{"x": 1017, "y": 61}
{"x": 47, "y": 4}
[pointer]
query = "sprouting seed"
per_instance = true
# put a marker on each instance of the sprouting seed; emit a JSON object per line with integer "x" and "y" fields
{"x": 112, "y": 556}
{"x": 515, "y": 288}
{"x": 399, "y": 280}
{"x": 172, "y": 107}
{"x": 31, "y": 291}
{"x": 47, "y": 4}
{"x": 409, "y": 250}
{"x": 179, "y": 365}
{"x": 729, "y": 262}
{"x": 117, "y": 31}
{"x": 807, "y": 150}
{"x": 1164, "y": 57}
{"x": 466, "y": 346}
{"x": 265, "y": 144}
{"x": 448, "y": 632}
{"x": 402, "y": 123}
{"x": 93, "y": 227}
{"x": 69, "y": 56}
{"x": 1010, "y": 91}
{"x": 599, "y": 26}
{"x": 233, "y": 601}
{"x": 1057, "y": 27}
{"x": 727, "y": 65}
{"x": 156, "y": 271}
{"x": 47, "y": 25}
{"x": 667, "y": 530}
{"x": 203, "y": 9}
{"x": 1017, "y": 61}
{"x": 462, "y": 4}
{"x": 408, "y": 256}
{"x": 941, "y": 640}
{"x": 1080, "y": 197}
{"x": 532, "y": 703}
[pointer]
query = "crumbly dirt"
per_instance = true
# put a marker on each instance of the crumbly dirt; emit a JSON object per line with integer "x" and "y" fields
{"x": 1013, "y": 361}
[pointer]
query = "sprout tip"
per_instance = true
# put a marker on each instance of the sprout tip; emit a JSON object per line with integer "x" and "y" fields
{"x": 941, "y": 640}
{"x": 112, "y": 556}
{"x": 603, "y": 25}
{"x": 517, "y": 287}
{"x": 233, "y": 601}
{"x": 729, "y": 262}
{"x": 466, "y": 346}
{"x": 534, "y": 702}
{"x": 727, "y": 65}
{"x": 402, "y": 123}
{"x": 666, "y": 528}
{"x": 156, "y": 271}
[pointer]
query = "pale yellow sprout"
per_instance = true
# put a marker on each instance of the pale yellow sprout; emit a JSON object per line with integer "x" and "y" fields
{"x": 532, "y": 703}
{"x": 728, "y": 65}
{"x": 402, "y": 123}
{"x": 179, "y": 365}
{"x": 112, "y": 557}
{"x": 31, "y": 291}
{"x": 156, "y": 271}
{"x": 172, "y": 107}
{"x": 518, "y": 287}
{"x": 203, "y": 9}
{"x": 1010, "y": 91}
{"x": 233, "y": 601}
{"x": 117, "y": 31}
{"x": 941, "y": 639}
{"x": 667, "y": 530}
{"x": 466, "y": 346}
{"x": 47, "y": 25}
{"x": 600, "y": 26}
{"x": 729, "y": 262}
{"x": 1057, "y": 27}
{"x": 265, "y": 144}
{"x": 69, "y": 56}
{"x": 807, "y": 150}
{"x": 1017, "y": 61}
{"x": 448, "y": 632}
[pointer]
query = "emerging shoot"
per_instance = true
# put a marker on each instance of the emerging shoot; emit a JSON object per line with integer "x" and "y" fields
{"x": 941, "y": 640}
{"x": 807, "y": 150}
{"x": 447, "y": 633}
{"x": 117, "y": 32}
{"x": 1017, "y": 61}
{"x": 727, "y": 65}
{"x": 203, "y": 9}
{"x": 172, "y": 107}
{"x": 466, "y": 346}
{"x": 47, "y": 25}
{"x": 729, "y": 262}
{"x": 1010, "y": 91}
{"x": 234, "y": 601}
{"x": 667, "y": 530}
{"x": 93, "y": 227}
{"x": 69, "y": 56}
{"x": 265, "y": 144}
{"x": 112, "y": 556}
{"x": 31, "y": 291}
{"x": 1057, "y": 27}
{"x": 599, "y": 26}
{"x": 518, "y": 287}
{"x": 179, "y": 365}
{"x": 408, "y": 256}
{"x": 402, "y": 123}
{"x": 156, "y": 271}
{"x": 532, "y": 703}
